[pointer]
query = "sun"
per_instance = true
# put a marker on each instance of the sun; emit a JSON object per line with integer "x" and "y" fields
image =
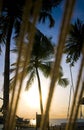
{"x": 31, "y": 97}
{"x": 29, "y": 102}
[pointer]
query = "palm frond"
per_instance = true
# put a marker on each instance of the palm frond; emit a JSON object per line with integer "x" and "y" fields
{"x": 0, "y": 50}
{"x": 44, "y": 48}
{"x": 3, "y": 29}
{"x": 12, "y": 70}
{"x": 63, "y": 82}
{"x": 48, "y": 5}
{"x": 43, "y": 16}
{"x": 11, "y": 83}
{"x": 30, "y": 80}
{"x": 74, "y": 42}
{"x": 45, "y": 68}
{"x": 12, "y": 80}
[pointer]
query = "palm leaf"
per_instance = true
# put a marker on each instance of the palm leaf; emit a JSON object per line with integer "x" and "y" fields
{"x": 12, "y": 70}
{"x": 42, "y": 42}
{"x": 74, "y": 42}
{"x": 30, "y": 80}
{"x": 12, "y": 80}
{"x": 43, "y": 16}
{"x": 45, "y": 68}
{"x": 63, "y": 82}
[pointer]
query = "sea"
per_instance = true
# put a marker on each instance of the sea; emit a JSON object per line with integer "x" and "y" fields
{"x": 52, "y": 122}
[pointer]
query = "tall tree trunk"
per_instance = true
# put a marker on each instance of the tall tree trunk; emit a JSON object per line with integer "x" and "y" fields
{"x": 40, "y": 92}
{"x": 72, "y": 85}
{"x": 6, "y": 69}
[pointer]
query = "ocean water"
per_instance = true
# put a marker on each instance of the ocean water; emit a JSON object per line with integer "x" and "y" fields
{"x": 53, "y": 122}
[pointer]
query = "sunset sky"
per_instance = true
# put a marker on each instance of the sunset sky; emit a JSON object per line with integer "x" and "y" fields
{"x": 29, "y": 100}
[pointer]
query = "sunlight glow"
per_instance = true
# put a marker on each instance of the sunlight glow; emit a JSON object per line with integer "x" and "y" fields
{"x": 31, "y": 97}
{"x": 33, "y": 122}
{"x": 30, "y": 100}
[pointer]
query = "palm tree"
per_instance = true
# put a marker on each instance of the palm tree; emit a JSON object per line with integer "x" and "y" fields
{"x": 7, "y": 20}
{"x": 41, "y": 60}
{"x": 74, "y": 42}
{"x": 11, "y": 15}
{"x": 46, "y": 9}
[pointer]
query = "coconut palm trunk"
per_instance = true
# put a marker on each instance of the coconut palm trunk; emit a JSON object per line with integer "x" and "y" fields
{"x": 6, "y": 69}
{"x": 40, "y": 91}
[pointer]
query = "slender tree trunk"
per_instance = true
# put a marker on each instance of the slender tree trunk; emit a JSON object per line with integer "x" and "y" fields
{"x": 71, "y": 79}
{"x": 40, "y": 92}
{"x": 6, "y": 69}
{"x": 40, "y": 95}
{"x": 72, "y": 87}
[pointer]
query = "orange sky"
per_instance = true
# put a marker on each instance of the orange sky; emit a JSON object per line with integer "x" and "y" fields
{"x": 29, "y": 104}
{"x": 29, "y": 100}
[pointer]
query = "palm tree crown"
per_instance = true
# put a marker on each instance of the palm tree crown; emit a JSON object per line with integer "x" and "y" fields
{"x": 75, "y": 42}
{"x": 46, "y": 9}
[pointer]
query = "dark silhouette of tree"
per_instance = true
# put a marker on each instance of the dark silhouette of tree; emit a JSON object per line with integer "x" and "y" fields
{"x": 11, "y": 18}
{"x": 8, "y": 18}
{"x": 74, "y": 45}
{"x": 41, "y": 60}
{"x": 74, "y": 42}
{"x": 46, "y": 9}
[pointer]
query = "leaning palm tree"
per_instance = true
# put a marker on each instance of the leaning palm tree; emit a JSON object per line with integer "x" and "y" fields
{"x": 41, "y": 60}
